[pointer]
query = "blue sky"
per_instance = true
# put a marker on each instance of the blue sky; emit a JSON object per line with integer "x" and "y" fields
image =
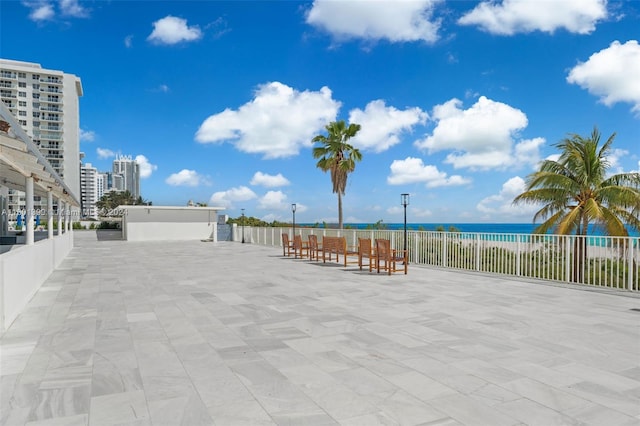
{"x": 458, "y": 101}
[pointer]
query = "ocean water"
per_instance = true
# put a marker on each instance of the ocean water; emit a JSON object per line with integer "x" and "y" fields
{"x": 490, "y": 228}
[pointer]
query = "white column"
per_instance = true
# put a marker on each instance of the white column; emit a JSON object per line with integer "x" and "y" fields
{"x": 49, "y": 214}
{"x": 67, "y": 215}
{"x": 61, "y": 207}
{"x": 29, "y": 204}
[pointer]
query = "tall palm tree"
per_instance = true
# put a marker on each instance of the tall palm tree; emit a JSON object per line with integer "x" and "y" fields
{"x": 337, "y": 156}
{"x": 576, "y": 191}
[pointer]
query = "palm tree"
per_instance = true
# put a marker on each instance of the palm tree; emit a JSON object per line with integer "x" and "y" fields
{"x": 576, "y": 190}
{"x": 337, "y": 156}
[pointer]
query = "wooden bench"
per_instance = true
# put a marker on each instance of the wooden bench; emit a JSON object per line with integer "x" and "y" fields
{"x": 337, "y": 245}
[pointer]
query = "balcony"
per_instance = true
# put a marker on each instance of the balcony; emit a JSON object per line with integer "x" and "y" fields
{"x": 51, "y": 99}
{"x": 51, "y": 80}
{"x": 50, "y": 90}
{"x": 50, "y": 108}
{"x": 50, "y": 136}
{"x": 50, "y": 117}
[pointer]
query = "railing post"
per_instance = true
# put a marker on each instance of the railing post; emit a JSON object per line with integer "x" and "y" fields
{"x": 567, "y": 263}
{"x": 477, "y": 252}
{"x": 517, "y": 255}
{"x": 630, "y": 265}
{"x": 444, "y": 249}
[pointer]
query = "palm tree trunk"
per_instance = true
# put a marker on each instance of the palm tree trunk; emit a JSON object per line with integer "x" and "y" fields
{"x": 580, "y": 253}
{"x": 339, "y": 210}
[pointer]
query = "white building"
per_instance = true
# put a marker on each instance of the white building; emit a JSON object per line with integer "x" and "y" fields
{"x": 100, "y": 185}
{"x": 128, "y": 168}
{"x": 89, "y": 190}
{"x": 46, "y": 105}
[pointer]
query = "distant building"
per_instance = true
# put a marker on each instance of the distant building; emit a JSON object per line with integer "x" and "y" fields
{"x": 89, "y": 191}
{"x": 100, "y": 185}
{"x": 46, "y": 105}
{"x": 129, "y": 170}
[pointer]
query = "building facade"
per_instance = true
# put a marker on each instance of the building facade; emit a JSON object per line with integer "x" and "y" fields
{"x": 89, "y": 191}
{"x": 129, "y": 169}
{"x": 47, "y": 106}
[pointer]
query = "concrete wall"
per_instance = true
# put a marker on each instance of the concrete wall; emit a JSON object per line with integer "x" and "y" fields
{"x": 23, "y": 270}
{"x": 157, "y": 223}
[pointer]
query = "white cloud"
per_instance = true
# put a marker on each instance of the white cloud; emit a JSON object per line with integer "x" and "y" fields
{"x": 40, "y": 11}
{"x": 186, "y": 177}
{"x": 382, "y": 125}
{"x": 502, "y": 203}
{"x": 415, "y": 212}
{"x": 413, "y": 170}
{"x": 395, "y": 21}
{"x": 105, "y": 153}
{"x": 611, "y": 74}
{"x": 274, "y": 200}
{"x": 87, "y": 135}
{"x": 173, "y": 30}
{"x": 517, "y": 16}
{"x": 276, "y": 123}
{"x": 228, "y": 197}
{"x": 269, "y": 181}
{"x": 527, "y": 151}
{"x": 553, "y": 157}
{"x": 146, "y": 168}
{"x": 481, "y": 137}
{"x": 44, "y": 10}
{"x": 128, "y": 41}
{"x": 614, "y": 159}
{"x": 73, "y": 8}
{"x": 163, "y": 88}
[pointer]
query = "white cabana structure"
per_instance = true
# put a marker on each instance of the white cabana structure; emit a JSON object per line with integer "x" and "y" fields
{"x": 158, "y": 223}
{"x": 24, "y": 268}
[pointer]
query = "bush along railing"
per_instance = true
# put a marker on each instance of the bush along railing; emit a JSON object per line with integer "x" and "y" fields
{"x": 611, "y": 262}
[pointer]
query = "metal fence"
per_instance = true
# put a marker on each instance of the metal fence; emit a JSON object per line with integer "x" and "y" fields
{"x": 612, "y": 262}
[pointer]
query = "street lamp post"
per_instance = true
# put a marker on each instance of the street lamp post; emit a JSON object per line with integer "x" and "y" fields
{"x": 404, "y": 200}
{"x": 242, "y": 226}
{"x": 293, "y": 209}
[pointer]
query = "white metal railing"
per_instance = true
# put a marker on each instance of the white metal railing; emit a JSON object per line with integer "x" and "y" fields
{"x": 611, "y": 262}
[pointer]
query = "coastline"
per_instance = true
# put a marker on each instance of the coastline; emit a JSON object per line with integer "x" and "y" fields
{"x": 485, "y": 228}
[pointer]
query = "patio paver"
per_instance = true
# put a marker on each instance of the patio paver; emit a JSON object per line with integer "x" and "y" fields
{"x": 201, "y": 333}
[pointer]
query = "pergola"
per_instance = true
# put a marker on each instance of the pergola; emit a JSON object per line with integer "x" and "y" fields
{"x": 24, "y": 168}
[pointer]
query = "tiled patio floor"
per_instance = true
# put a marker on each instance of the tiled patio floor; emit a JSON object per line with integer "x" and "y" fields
{"x": 201, "y": 333}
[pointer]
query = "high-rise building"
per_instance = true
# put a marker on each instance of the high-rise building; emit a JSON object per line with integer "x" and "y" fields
{"x": 129, "y": 169}
{"x": 89, "y": 191}
{"x": 100, "y": 185}
{"x": 46, "y": 104}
